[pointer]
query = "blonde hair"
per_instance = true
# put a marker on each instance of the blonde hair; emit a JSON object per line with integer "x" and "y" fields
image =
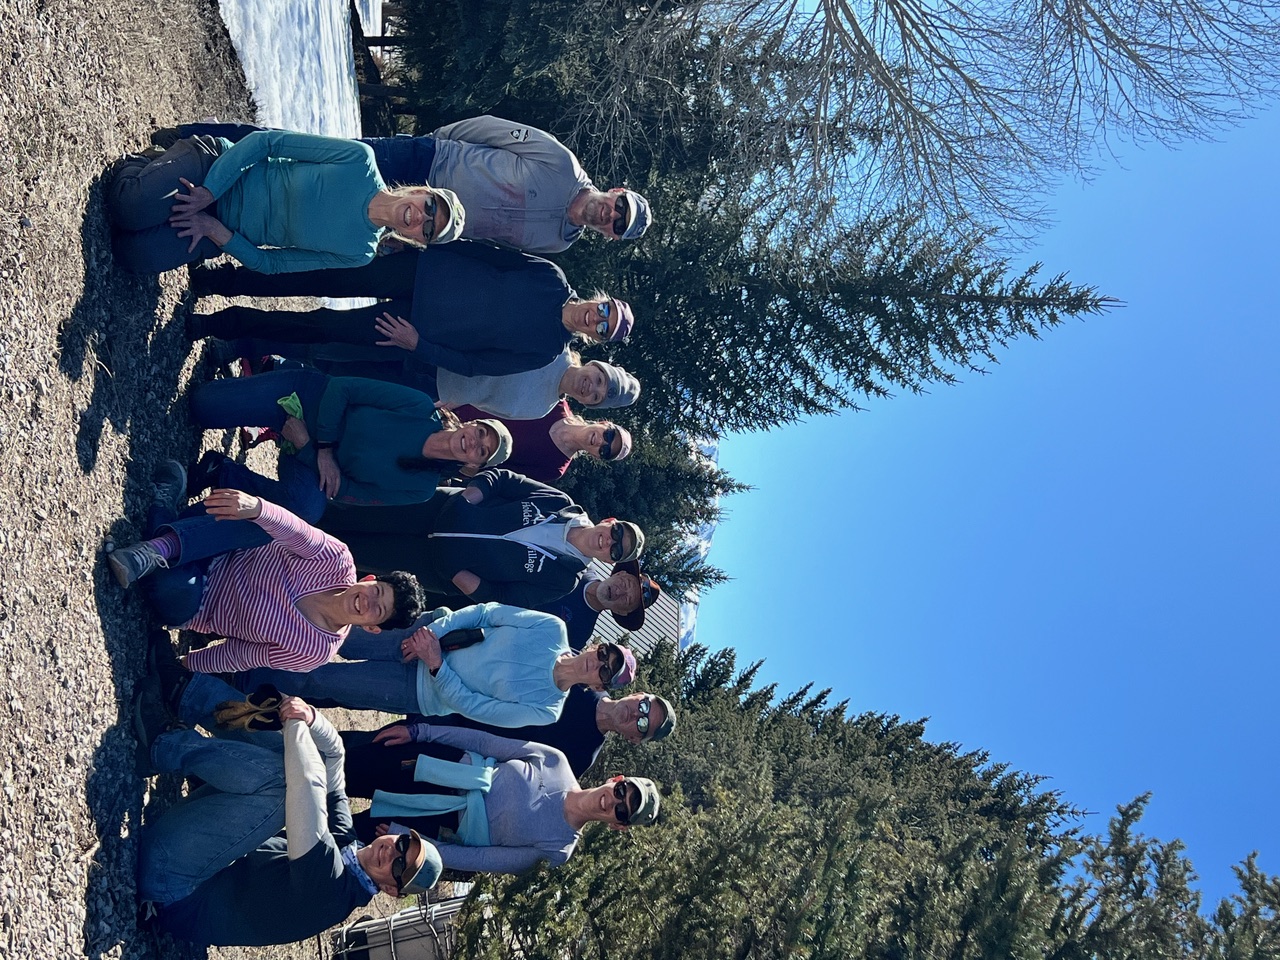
{"x": 410, "y": 190}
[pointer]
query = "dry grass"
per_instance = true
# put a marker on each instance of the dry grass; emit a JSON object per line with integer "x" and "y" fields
{"x": 93, "y": 369}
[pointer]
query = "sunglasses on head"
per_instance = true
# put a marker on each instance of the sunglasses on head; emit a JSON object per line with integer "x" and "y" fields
{"x": 642, "y": 722}
{"x": 606, "y": 444}
{"x": 620, "y": 207}
{"x": 400, "y": 863}
{"x": 622, "y": 809}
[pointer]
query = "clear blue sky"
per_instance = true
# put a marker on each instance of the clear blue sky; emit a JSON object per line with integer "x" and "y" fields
{"x": 1072, "y": 561}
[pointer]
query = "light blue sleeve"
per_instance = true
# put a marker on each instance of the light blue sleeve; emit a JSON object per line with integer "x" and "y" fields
{"x": 489, "y": 859}
{"x": 478, "y": 706}
{"x": 496, "y": 615}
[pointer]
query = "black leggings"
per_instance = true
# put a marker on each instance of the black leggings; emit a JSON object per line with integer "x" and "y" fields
{"x": 386, "y": 278}
{"x": 372, "y": 766}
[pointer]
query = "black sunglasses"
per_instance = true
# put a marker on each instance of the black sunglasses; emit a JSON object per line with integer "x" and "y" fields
{"x": 622, "y": 810}
{"x": 621, "y": 208}
{"x": 616, "y": 553}
{"x": 607, "y": 671}
{"x": 606, "y": 444}
{"x": 642, "y": 721}
{"x": 648, "y": 592}
{"x": 400, "y": 863}
{"x": 430, "y": 210}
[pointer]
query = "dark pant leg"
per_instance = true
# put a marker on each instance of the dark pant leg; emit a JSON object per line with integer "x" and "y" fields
{"x": 354, "y": 327}
{"x": 175, "y": 594}
{"x": 158, "y": 249}
{"x": 252, "y": 401}
{"x": 298, "y": 489}
{"x": 389, "y": 277}
{"x": 373, "y": 766}
{"x": 140, "y": 196}
{"x": 383, "y": 539}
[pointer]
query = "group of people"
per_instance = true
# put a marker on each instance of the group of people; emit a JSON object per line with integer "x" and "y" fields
{"x": 411, "y": 529}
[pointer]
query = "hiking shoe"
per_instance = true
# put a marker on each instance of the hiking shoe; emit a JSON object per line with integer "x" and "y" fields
{"x": 163, "y": 664}
{"x": 204, "y": 474}
{"x": 135, "y": 561}
{"x": 150, "y": 719}
{"x": 170, "y": 482}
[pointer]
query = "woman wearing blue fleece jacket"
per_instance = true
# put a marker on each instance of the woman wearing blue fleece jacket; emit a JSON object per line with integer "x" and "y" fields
{"x": 359, "y": 442}
{"x": 278, "y": 202}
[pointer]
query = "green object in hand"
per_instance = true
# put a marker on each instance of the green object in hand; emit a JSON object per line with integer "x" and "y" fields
{"x": 293, "y": 407}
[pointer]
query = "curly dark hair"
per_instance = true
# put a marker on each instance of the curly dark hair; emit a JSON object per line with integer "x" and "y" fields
{"x": 410, "y": 602}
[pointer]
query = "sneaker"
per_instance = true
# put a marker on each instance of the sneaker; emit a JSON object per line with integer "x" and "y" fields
{"x": 204, "y": 474}
{"x": 170, "y": 482}
{"x": 150, "y": 719}
{"x": 135, "y": 561}
{"x": 163, "y": 664}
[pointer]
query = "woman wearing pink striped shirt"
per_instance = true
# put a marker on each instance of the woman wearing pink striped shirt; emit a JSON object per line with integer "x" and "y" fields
{"x": 288, "y": 604}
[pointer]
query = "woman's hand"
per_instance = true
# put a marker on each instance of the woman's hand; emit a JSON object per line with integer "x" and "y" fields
{"x": 197, "y": 226}
{"x": 472, "y": 495}
{"x": 295, "y": 708}
{"x": 424, "y": 646}
{"x": 330, "y": 475}
{"x": 224, "y": 504}
{"x": 193, "y": 201}
{"x": 398, "y": 331}
{"x": 393, "y": 736}
{"x": 295, "y": 431}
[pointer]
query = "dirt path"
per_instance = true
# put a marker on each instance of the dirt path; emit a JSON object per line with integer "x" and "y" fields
{"x": 93, "y": 368}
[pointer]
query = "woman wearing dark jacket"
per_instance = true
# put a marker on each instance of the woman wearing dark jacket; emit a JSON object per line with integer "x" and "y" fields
{"x": 476, "y": 310}
{"x": 358, "y": 442}
{"x": 543, "y": 449}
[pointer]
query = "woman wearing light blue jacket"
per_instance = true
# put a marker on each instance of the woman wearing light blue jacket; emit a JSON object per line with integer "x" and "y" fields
{"x": 518, "y": 675}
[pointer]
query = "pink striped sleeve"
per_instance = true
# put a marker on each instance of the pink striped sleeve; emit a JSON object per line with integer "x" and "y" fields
{"x": 290, "y": 531}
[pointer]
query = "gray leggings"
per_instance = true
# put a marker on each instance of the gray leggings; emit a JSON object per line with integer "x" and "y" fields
{"x": 139, "y": 202}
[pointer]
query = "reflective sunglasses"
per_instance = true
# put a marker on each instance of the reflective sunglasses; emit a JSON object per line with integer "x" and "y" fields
{"x": 648, "y": 591}
{"x": 606, "y": 444}
{"x": 622, "y": 810}
{"x": 621, "y": 208}
{"x": 398, "y": 865}
{"x": 616, "y": 552}
{"x": 642, "y": 721}
{"x": 604, "y": 310}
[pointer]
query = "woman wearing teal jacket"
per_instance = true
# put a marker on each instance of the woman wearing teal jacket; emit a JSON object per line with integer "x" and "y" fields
{"x": 358, "y": 442}
{"x": 278, "y": 202}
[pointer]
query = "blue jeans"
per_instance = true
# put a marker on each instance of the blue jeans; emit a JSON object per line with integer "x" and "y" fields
{"x": 387, "y": 685}
{"x": 251, "y": 401}
{"x": 240, "y": 806}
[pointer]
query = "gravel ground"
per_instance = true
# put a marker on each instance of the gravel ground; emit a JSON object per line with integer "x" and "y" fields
{"x": 93, "y": 371}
